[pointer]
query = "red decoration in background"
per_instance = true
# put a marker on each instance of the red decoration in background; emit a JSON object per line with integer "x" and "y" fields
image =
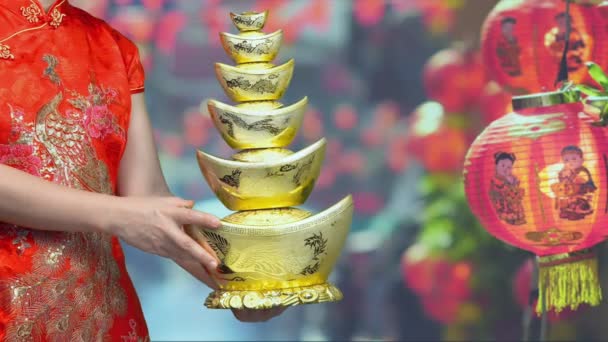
{"x": 345, "y": 117}
{"x": 437, "y": 15}
{"x": 454, "y": 77}
{"x": 397, "y": 156}
{"x": 523, "y": 42}
{"x": 536, "y": 179}
{"x": 351, "y": 162}
{"x": 312, "y": 125}
{"x": 493, "y": 103}
{"x": 367, "y": 203}
{"x": 172, "y": 144}
{"x": 212, "y": 16}
{"x": 168, "y": 28}
{"x": 123, "y": 2}
{"x": 153, "y": 5}
{"x": 327, "y": 178}
{"x": 438, "y": 146}
{"x": 369, "y": 12}
{"x": 522, "y": 283}
{"x": 135, "y": 22}
{"x": 443, "y": 286}
{"x": 337, "y": 78}
{"x": 386, "y": 115}
{"x": 372, "y": 137}
{"x": 197, "y": 127}
{"x": 312, "y": 14}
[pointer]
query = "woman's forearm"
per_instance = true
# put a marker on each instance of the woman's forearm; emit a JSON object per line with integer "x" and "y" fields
{"x": 29, "y": 201}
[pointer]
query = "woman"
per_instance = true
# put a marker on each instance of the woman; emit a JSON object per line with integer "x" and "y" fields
{"x": 79, "y": 168}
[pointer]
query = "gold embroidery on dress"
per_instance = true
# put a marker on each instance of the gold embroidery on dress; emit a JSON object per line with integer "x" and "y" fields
{"x": 67, "y": 141}
{"x": 31, "y": 12}
{"x": 72, "y": 290}
{"x": 5, "y": 52}
{"x": 50, "y": 71}
{"x": 57, "y": 17}
{"x": 73, "y": 294}
{"x": 132, "y": 336}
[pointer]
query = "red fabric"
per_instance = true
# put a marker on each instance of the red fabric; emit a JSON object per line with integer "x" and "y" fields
{"x": 536, "y": 179}
{"x": 65, "y": 103}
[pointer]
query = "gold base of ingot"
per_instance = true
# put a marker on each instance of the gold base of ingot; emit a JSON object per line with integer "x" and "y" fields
{"x": 268, "y": 299}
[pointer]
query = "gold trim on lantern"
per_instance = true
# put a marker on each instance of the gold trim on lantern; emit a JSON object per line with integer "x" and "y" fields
{"x": 544, "y": 99}
{"x": 557, "y": 259}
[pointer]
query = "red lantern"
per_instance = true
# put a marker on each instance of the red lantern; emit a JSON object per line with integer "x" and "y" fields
{"x": 523, "y": 43}
{"x": 493, "y": 103}
{"x": 454, "y": 77}
{"x": 537, "y": 179}
{"x": 438, "y": 146}
{"x": 443, "y": 286}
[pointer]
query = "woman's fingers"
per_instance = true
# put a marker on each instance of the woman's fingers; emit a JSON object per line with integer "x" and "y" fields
{"x": 253, "y": 316}
{"x": 183, "y": 216}
{"x": 188, "y": 249}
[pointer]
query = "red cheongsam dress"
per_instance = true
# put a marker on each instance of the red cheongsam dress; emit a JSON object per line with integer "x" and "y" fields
{"x": 66, "y": 80}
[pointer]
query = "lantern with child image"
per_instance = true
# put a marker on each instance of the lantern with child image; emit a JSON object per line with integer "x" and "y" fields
{"x": 523, "y": 42}
{"x": 536, "y": 179}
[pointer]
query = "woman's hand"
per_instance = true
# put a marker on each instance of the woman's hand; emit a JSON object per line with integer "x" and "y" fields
{"x": 154, "y": 225}
{"x": 256, "y": 316}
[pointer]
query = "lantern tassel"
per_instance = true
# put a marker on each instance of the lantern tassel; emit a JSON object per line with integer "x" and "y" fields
{"x": 568, "y": 280}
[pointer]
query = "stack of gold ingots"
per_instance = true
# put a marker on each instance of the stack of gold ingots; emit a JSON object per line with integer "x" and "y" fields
{"x": 271, "y": 254}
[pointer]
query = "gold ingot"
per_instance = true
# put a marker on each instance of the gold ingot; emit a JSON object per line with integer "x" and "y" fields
{"x": 264, "y": 185}
{"x": 254, "y": 82}
{"x": 254, "y": 47}
{"x": 249, "y": 21}
{"x": 286, "y": 263}
{"x": 261, "y": 125}
{"x": 270, "y": 253}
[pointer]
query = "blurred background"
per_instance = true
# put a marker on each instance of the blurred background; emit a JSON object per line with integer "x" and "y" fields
{"x": 399, "y": 90}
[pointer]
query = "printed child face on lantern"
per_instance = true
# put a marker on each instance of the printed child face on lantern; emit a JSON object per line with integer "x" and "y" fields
{"x": 506, "y": 193}
{"x": 508, "y": 28}
{"x": 574, "y": 191}
{"x": 560, "y": 20}
{"x": 572, "y": 156}
{"x": 504, "y": 164}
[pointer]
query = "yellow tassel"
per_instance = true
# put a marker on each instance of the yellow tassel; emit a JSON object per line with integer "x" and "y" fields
{"x": 568, "y": 280}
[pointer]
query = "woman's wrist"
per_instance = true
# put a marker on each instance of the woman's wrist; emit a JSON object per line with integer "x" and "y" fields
{"x": 111, "y": 216}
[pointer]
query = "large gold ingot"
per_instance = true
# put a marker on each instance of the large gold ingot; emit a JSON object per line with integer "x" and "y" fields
{"x": 284, "y": 263}
{"x": 264, "y": 185}
{"x": 257, "y": 126}
{"x": 271, "y": 254}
